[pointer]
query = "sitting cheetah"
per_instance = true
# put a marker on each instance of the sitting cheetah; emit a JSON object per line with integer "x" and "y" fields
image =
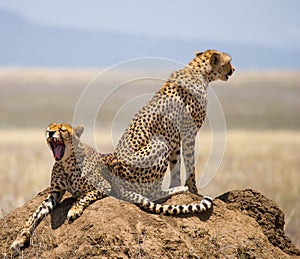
{"x": 88, "y": 176}
{"x": 170, "y": 121}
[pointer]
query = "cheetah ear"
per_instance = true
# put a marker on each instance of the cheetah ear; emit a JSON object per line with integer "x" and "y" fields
{"x": 197, "y": 53}
{"x": 78, "y": 131}
{"x": 215, "y": 59}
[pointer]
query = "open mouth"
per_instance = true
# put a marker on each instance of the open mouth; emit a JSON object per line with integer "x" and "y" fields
{"x": 58, "y": 148}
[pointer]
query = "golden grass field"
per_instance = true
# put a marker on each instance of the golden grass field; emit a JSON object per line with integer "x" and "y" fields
{"x": 262, "y": 144}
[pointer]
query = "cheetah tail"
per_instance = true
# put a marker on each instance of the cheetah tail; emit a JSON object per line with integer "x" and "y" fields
{"x": 150, "y": 206}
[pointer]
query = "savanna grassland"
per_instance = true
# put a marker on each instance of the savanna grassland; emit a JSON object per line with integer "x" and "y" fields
{"x": 261, "y": 111}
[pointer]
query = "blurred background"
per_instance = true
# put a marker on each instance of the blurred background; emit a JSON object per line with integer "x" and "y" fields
{"x": 50, "y": 51}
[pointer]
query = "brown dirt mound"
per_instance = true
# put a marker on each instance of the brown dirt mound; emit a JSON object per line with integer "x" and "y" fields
{"x": 265, "y": 212}
{"x": 246, "y": 225}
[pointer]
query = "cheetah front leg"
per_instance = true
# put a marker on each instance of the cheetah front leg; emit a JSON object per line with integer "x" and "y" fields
{"x": 188, "y": 152}
{"x": 96, "y": 188}
{"x": 82, "y": 202}
{"x": 43, "y": 210}
{"x": 175, "y": 163}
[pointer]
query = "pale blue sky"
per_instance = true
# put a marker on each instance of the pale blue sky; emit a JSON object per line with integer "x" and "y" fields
{"x": 258, "y": 22}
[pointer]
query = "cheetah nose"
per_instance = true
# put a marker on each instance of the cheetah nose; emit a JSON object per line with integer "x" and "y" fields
{"x": 232, "y": 69}
{"x": 51, "y": 133}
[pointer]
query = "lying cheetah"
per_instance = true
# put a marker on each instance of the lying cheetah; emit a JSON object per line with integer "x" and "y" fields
{"x": 169, "y": 121}
{"x": 88, "y": 176}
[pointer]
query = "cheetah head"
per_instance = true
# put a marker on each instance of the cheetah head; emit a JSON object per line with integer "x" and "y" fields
{"x": 61, "y": 137}
{"x": 217, "y": 64}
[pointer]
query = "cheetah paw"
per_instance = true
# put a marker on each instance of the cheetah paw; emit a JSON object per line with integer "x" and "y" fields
{"x": 74, "y": 213}
{"x": 182, "y": 189}
{"x": 20, "y": 243}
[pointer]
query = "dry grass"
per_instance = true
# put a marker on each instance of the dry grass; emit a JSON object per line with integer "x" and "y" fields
{"x": 24, "y": 166}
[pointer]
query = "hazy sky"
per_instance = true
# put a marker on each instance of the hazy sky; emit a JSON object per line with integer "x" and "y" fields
{"x": 262, "y": 22}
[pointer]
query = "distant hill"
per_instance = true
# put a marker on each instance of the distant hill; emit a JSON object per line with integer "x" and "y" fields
{"x": 23, "y": 43}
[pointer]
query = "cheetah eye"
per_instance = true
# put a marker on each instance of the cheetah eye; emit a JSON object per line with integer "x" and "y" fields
{"x": 63, "y": 128}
